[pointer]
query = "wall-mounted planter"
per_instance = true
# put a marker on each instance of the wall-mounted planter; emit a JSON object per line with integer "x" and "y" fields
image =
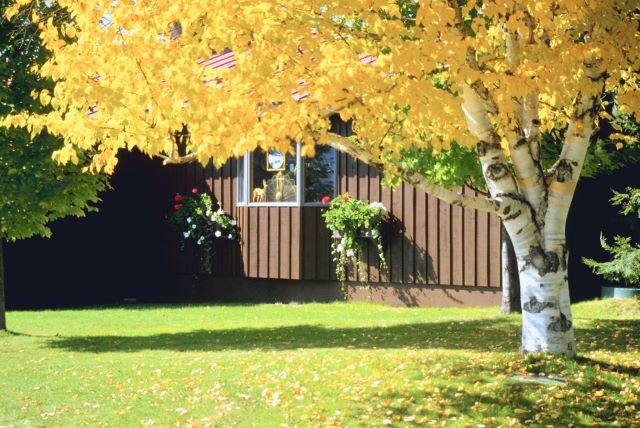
{"x": 620, "y": 292}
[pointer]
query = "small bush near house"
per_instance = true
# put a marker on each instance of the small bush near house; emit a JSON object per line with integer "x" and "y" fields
{"x": 624, "y": 265}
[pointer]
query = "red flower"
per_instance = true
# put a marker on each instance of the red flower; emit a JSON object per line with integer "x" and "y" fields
{"x": 177, "y": 207}
{"x": 325, "y": 200}
{"x": 177, "y": 197}
{"x": 345, "y": 198}
{"x": 194, "y": 190}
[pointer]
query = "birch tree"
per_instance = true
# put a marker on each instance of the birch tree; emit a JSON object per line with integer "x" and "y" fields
{"x": 410, "y": 75}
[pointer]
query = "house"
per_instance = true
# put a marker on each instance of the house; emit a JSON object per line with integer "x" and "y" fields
{"x": 437, "y": 254}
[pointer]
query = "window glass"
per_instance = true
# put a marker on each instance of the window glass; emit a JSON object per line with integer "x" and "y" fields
{"x": 320, "y": 174}
{"x": 273, "y": 177}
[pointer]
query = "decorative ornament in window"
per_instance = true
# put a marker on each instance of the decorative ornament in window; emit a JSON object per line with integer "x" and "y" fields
{"x": 274, "y": 177}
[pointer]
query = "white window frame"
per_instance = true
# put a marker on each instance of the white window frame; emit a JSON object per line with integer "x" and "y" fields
{"x": 300, "y": 183}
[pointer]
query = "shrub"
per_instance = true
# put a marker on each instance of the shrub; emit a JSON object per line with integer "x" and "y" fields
{"x": 625, "y": 263}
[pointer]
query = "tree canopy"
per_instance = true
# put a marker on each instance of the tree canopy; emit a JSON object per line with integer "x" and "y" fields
{"x": 140, "y": 65}
{"x": 35, "y": 189}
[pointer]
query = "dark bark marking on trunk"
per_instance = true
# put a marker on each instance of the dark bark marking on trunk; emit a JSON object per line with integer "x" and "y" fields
{"x": 533, "y": 306}
{"x": 521, "y": 142}
{"x": 564, "y": 170}
{"x": 513, "y": 216}
{"x": 543, "y": 262}
{"x": 560, "y": 324}
{"x": 484, "y": 147}
{"x": 496, "y": 171}
{"x": 564, "y": 257}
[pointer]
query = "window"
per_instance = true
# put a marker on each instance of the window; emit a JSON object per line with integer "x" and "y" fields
{"x": 272, "y": 177}
{"x": 320, "y": 175}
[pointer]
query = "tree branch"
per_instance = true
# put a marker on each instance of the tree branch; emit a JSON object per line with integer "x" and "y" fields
{"x": 525, "y": 152}
{"x": 346, "y": 145}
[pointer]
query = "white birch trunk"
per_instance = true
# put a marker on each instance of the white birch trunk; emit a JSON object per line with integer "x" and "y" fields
{"x": 534, "y": 214}
{"x": 547, "y": 322}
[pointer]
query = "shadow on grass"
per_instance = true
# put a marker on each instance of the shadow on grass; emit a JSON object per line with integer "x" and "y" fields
{"x": 499, "y": 334}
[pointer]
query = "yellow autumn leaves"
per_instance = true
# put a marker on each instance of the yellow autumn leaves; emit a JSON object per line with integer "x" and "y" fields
{"x": 145, "y": 77}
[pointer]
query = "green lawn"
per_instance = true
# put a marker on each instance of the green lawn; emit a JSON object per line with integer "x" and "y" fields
{"x": 342, "y": 364}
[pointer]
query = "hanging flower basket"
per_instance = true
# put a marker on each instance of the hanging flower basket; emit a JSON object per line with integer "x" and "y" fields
{"x": 198, "y": 220}
{"x": 351, "y": 221}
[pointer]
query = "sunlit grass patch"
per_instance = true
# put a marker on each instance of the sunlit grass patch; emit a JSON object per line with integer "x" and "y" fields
{"x": 316, "y": 364}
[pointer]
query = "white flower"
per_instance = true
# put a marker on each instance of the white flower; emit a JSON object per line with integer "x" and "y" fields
{"x": 374, "y": 232}
{"x": 230, "y": 236}
{"x": 213, "y": 218}
{"x": 350, "y": 253}
{"x": 193, "y": 226}
{"x": 233, "y": 222}
{"x": 186, "y": 234}
{"x": 339, "y": 248}
{"x": 378, "y": 205}
{"x": 188, "y": 219}
{"x": 218, "y": 234}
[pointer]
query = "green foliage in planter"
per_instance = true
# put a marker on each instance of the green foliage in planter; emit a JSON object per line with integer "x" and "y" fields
{"x": 197, "y": 220}
{"x": 625, "y": 265}
{"x": 350, "y": 219}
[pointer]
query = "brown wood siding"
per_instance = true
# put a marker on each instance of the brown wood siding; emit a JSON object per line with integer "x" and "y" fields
{"x": 426, "y": 240}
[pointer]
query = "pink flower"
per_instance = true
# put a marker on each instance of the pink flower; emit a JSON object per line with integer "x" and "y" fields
{"x": 345, "y": 198}
{"x": 194, "y": 190}
{"x": 177, "y": 197}
{"x": 325, "y": 200}
{"x": 177, "y": 207}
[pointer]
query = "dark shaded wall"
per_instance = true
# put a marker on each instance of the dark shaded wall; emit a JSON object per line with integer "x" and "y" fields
{"x": 114, "y": 254}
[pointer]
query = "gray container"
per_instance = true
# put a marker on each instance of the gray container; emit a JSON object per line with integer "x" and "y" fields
{"x": 620, "y": 292}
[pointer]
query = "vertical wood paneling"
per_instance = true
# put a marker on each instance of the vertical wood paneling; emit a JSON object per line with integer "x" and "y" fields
{"x": 398, "y": 235}
{"x": 363, "y": 194}
{"x": 243, "y": 229}
{"x": 253, "y": 244}
{"x": 495, "y": 255}
{"x": 420, "y": 247}
{"x": 457, "y": 246}
{"x": 285, "y": 243}
{"x": 310, "y": 243}
{"x": 263, "y": 242}
{"x": 444, "y": 243}
{"x": 323, "y": 245}
{"x": 409, "y": 242}
{"x": 433, "y": 228}
{"x": 374, "y": 196}
{"x": 470, "y": 236}
{"x": 385, "y": 196}
{"x": 296, "y": 240}
{"x": 275, "y": 235}
{"x": 482, "y": 250}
